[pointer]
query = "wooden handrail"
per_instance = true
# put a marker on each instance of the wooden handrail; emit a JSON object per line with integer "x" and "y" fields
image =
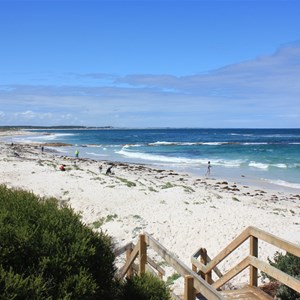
{"x": 240, "y": 239}
{"x": 284, "y": 278}
{"x": 251, "y": 261}
{"x": 131, "y": 259}
{"x": 123, "y": 249}
{"x": 199, "y": 283}
{"x": 193, "y": 281}
{"x": 200, "y": 265}
{"x": 275, "y": 241}
{"x": 232, "y": 273}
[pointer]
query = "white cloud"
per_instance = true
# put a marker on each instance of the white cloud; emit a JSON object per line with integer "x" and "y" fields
{"x": 236, "y": 95}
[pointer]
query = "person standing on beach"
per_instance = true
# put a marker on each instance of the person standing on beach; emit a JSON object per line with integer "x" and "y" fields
{"x": 76, "y": 153}
{"x": 208, "y": 169}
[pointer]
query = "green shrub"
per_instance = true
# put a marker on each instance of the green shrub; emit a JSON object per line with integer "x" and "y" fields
{"x": 145, "y": 287}
{"x": 47, "y": 253}
{"x": 289, "y": 264}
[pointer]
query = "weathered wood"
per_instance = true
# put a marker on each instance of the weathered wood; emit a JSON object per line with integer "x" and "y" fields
{"x": 196, "y": 264}
{"x": 194, "y": 282}
{"x": 130, "y": 269}
{"x": 249, "y": 293}
{"x": 152, "y": 263}
{"x": 189, "y": 291}
{"x": 227, "y": 250}
{"x": 199, "y": 284}
{"x": 142, "y": 254}
{"x": 215, "y": 269}
{"x": 133, "y": 256}
{"x": 253, "y": 252}
{"x": 275, "y": 241}
{"x": 204, "y": 260}
{"x": 175, "y": 297}
{"x": 232, "y": 273}
{"x": 284, "y": 278}
{"x": 123, "y": 249}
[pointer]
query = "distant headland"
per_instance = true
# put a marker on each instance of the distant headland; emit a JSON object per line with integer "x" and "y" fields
{"x": 5, "y": 128}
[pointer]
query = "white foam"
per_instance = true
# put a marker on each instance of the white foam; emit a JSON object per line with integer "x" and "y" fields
{"x": 96, "y": 154}
{"x": 281, "y": 166}
{"x": 161, "y": 158}
{"x": 284, "y": 183}
{"x": 215, "y": 143}
{"x": 174, "y": 144}
{"x": 180, "y": 160}
{"x": 132, "y": 145}
{"x": 258, "y": 165}
{"x": 258, "y": 143}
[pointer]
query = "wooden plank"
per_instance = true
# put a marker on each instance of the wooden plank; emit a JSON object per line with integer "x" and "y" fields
{"x": 231, "y": 273}
{"x": 133, "y": 256}
{"x": 197, "y": 264}
{"x": 130, "y": 269}
{"x": 204, "y": 260}
{"x": 253, "y": 252}
{"x": 175, "y": 297}
{"x": 259, "y": 293}
{"x": 200, "y": 285}
{"x": 216, "y": 269}
{"x": 227, "y": 250}
{"x": 121, "y": 250}
{"x": 142, "y": 254}
{"x": 247, "y": 293}
{"x": 153, "y": 264}
{"x": 284, "y": 278}
{"x": 189, "y": 291}
{"x": 275, "y": 241}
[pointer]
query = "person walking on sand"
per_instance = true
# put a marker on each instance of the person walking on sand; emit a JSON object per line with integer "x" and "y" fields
{"x": 208, "y": 169}
{"x": 76, "y": 153}
{"x": 108, "y": 171}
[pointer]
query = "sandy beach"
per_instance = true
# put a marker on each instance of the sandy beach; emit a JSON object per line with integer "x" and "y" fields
{"x": 182, "y": 212}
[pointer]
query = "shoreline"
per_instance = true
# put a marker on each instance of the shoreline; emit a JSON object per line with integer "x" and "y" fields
{"x": 254, "y": 177}
{"x": 175, "y": 207}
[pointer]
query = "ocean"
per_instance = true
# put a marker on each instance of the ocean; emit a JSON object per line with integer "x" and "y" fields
{"x": 265, "y": 157}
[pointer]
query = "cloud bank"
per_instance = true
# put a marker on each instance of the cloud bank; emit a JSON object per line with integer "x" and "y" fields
{"x": 264, "y": 92}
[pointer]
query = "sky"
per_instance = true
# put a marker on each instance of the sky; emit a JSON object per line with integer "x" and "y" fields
{"x": 150, "y": 63}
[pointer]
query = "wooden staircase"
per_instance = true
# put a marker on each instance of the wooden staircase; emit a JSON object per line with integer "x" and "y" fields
{"x": 198, "y": 280}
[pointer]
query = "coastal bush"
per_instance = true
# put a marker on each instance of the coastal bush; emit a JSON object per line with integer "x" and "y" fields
{"x": 47, "y": 253}
{"x": 289, "y": 264}
{"x": 145, "y": 287}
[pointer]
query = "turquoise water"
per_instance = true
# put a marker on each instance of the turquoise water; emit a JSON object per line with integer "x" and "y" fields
{"x": 267, "y": 155}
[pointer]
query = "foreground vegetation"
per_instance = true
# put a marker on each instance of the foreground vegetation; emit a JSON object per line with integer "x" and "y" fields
{"x": 289, "y": 264}
{"x": 47, "y": 253}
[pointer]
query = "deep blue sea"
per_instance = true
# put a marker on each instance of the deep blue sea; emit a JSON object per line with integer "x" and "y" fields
{"x": 270, "y": 156}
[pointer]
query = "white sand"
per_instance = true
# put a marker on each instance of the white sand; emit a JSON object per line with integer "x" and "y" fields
{"x": 182, "y": 212}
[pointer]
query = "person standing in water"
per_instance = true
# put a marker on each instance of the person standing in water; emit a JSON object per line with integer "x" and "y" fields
{"x": 76, "y": 153}
{"x": 208, "y": 169}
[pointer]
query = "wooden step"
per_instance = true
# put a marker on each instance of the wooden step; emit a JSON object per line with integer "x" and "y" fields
{"x": 246, "y": 293}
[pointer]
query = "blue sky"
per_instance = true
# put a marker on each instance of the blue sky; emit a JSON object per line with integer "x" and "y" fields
{"x": 146, "y": 63}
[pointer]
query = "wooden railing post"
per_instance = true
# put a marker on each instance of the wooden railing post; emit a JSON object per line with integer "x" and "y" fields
{"x": 253, "y": 252}
{"x": 130, "y": 270}
{"x": 189, "y": 291}
{"x": 204, "y": 260}
{"x": 194, "y": 268}
{"x": 142, "y": 254}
